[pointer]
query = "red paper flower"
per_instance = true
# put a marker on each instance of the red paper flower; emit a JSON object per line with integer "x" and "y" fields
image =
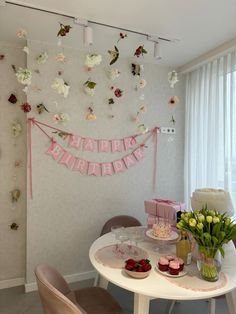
{"x": 12, "y": 99}
{"x": 118, "y": 92}
{"x": 26, "y": 107}
{"x": 140, "y": 51}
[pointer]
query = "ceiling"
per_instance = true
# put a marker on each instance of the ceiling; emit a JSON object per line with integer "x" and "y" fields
{"x": 199, "y": 25}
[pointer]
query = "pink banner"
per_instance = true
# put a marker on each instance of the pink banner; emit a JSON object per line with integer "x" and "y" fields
{"x": 129, "y": 161}
{"x": 139, "y": 153}
{"x": 117, "y": 146}
{"x": 107, "y": 169}
{"x": 75, "y": 141}
{"x": 80, "y": 165}
{"x": 129, "y": 142}
{"x": 94, "y": 169}
{"x": 55, "y": 150}
{"x": 67, "y": 159}
{"x": 118, "y": 166}
{"x": 89, "y": 145}
{"x": 104, "y": 146}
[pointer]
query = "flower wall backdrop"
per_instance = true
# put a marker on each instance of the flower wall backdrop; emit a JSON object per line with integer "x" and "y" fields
{"x": 66, "y": 205}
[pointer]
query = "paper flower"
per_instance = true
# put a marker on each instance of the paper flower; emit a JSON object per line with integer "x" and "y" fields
{"x": 18, "y": 163}
{"x": 61, "y": 117}
{"x": 142, "y": 129}
{"x": 2, "y": 56}
{"x": 111, "y": 101}
{"x": 173, "y": 101}
{"x": 24, "y": 76}
{"x": 12, "y": 99}
{"x": 92, "y": 60}
{"x": 136, "y": 69}
{"x": 26, "y": 107}
{"x": 142, "y": 109}
{"x": 117, "y": 91}
{"x": 122, "y": 36}
{"x": 172, "y": 78}
{"x": 21, "y": 33}
{"x": 41, "y": 108}
{"x": 15, "y": 195}
{"x": 26, "y": 50}
{"x": 60, "y": 57}
{"x": 14, "y": 226}
{"x": 91, "y": 116}
{"x": 42, "y": 58}
{"x": 61, "y": 87}
{"x": 113, "y": 73}
{"x": 114, "y": 54}
{"x": 89, "y": 87}
{"x": 64, "y": 30}
{"x": 16, "y": 129}
{"x": 140, "y": 51}
{"x": 142, "y": 83}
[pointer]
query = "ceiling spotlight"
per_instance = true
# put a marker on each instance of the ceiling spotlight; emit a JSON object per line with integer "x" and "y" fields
{"x": 157, "y": 50}
{"x": 88, "y": 36}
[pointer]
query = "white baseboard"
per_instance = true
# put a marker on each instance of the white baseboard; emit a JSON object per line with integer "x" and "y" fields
{"x": 69, "y": 278}
{"x": 9, "y": 283}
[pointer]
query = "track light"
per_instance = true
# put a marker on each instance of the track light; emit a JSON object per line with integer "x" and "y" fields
{"x": 88, "y": 36}
{"x": 157, "y": 50}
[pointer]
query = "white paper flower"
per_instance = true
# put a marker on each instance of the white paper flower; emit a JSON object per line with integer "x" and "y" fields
{"x": 113, "y": 73}
{"x": 61, "y": 87}
{"x": 60, "y": 57}
{"x": 61, "y": 117}
{"x": 172, "y": 78}
{"x": 142, "y": 83}
{"x": 16, "y": 129}
{"x": 21, "y": 33}
{"x": 24, "y": 76}
{"x": 89, "y": 87}
{"x": 42, "y": 58}
{"x": 26, "y": 50}
{"x": 92, "y": 60}
{"x": 142, "y": 129}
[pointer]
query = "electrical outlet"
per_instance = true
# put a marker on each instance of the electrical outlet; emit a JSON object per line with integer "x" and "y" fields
{"x": 167, "y": 130}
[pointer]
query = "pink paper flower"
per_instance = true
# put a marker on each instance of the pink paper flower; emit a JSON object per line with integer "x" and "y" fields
{"x": 142, "y": 83}
{"x": 26, "y": 107}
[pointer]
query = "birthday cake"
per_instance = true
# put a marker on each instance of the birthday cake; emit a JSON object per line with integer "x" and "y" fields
{"x": 161, "y": 230}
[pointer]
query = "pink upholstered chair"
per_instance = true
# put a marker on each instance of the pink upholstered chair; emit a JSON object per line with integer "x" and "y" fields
{"x": 122, "y": 220}
{"x": 57, "y": 298}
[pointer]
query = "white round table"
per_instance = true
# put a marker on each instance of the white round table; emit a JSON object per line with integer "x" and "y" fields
{"x": 156, "y": 285}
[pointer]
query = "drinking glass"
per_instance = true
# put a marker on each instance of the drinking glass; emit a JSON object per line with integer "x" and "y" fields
{"x": 116, "y": 230}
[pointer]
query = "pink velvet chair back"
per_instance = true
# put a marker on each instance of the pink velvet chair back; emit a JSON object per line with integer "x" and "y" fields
{"x": 55, "y": 294}
{"x": 122, "y": 220}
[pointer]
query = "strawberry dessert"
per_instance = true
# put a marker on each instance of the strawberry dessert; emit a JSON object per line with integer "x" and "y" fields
{"x": 163, "y": 264}
{"x": 174, "y": 267}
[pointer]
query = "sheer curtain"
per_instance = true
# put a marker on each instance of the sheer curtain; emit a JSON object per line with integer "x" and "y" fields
{"x": 210, "y": 126}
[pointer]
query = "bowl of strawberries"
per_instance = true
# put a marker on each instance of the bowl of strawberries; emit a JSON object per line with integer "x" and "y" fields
{"x": 138, "y": 268}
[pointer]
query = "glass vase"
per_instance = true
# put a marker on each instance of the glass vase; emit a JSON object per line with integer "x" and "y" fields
{"x": 209, "y": 263}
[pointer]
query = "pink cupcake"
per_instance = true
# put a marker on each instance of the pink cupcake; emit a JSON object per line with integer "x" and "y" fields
{"x": 170, "y": 257}
{"x": 174, "y": 268}
{"x": 181, "y": 263}
{"x": 163, "y": 264}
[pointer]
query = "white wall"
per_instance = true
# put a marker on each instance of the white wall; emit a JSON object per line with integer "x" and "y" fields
{"x": 68, "y": 210}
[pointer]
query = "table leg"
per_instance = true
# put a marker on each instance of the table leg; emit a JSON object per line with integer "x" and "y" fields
{"x": 141, "y": 304}
{"x": 103, "y": 283}
{"x": 231, "y": 301}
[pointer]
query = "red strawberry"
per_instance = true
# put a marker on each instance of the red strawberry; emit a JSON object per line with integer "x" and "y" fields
{"x": 130, "y": 261}
{"x": 129, "y": 267}
{"x": 140, "y": 269}
{"x": 142, "y": 262}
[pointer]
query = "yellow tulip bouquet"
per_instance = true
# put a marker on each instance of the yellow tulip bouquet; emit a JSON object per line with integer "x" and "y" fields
{"x": 211, "y": 230}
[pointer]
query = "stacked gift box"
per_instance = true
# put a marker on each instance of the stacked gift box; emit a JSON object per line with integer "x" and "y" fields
{"x": 162, "y": 209}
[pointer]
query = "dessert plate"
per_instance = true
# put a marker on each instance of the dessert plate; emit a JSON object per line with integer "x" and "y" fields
{"x": 173, "y": 236}
{"x": 165, "y": 273}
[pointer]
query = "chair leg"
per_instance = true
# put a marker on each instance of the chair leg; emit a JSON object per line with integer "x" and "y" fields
{"x": 212, "y": 303}
{"x": 170, "y": 307}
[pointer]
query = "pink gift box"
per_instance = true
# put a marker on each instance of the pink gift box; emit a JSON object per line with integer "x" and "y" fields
{"x": 166, "y": 209}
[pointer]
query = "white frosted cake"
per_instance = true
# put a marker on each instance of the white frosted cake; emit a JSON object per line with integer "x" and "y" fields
{"x": 161, "y": 230}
